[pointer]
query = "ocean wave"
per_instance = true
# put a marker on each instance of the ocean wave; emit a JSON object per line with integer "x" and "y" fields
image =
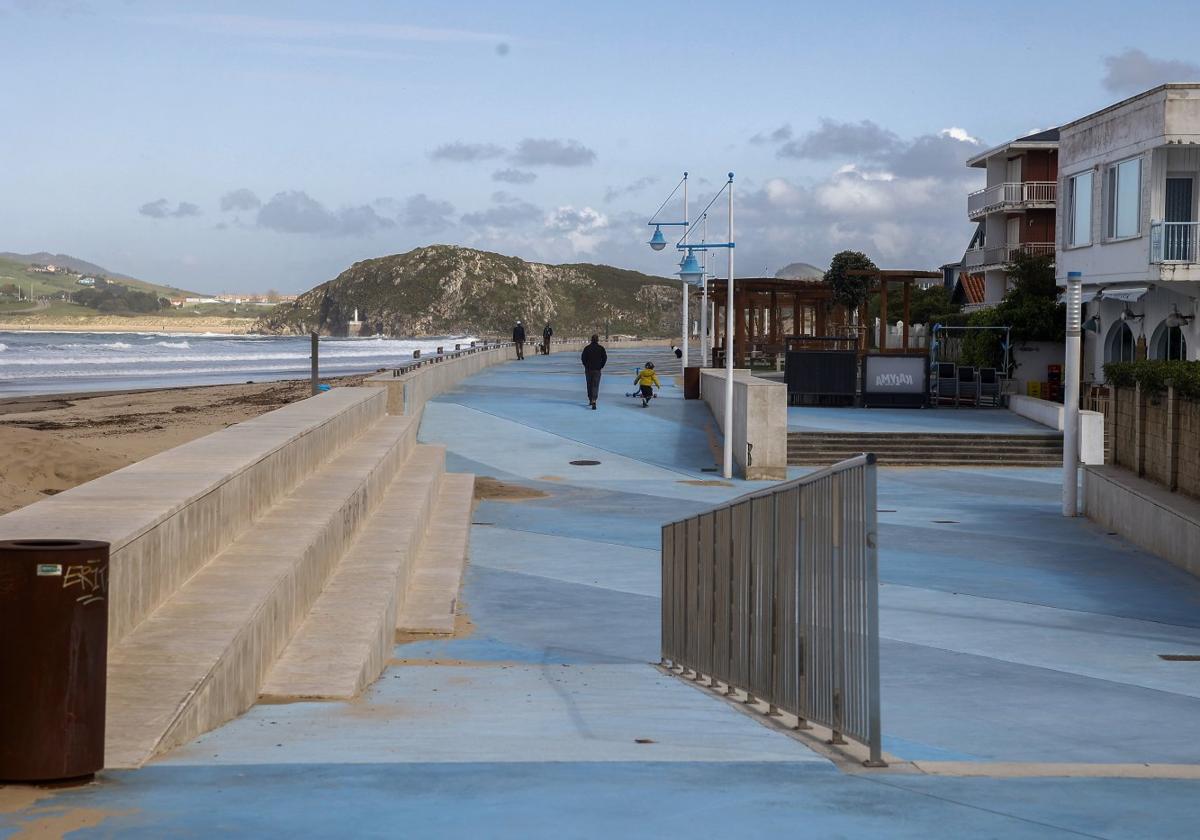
{"x": 178, "y": 345}
{"x": 3, "y": 347}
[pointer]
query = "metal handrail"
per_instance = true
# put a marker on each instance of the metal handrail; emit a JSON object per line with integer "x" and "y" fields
{"x": 776, "y": 593}
{"x": 1011, "y": 193}
{"x": 1174, "y": 242}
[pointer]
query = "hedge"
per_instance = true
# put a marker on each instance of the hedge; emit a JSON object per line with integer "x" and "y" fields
{"x": 1155, "y": 375}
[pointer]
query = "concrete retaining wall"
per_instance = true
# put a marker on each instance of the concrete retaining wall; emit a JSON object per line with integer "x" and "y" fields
{"x": 168, "y": 515}
{"x": 1162, "y": 522}
{"x": 759, "y": 421}
{"x": 1091, "y": 424}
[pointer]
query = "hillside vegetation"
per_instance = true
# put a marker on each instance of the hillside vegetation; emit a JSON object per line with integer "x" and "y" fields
{"x": 444, "y": 289}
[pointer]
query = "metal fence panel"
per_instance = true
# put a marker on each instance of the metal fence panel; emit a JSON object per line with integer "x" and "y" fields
{"x": 777, "y": 594}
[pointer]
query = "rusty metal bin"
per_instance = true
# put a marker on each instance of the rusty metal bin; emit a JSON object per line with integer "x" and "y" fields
{"x": 54, "y": 627}
{"x": 691, "y": 383}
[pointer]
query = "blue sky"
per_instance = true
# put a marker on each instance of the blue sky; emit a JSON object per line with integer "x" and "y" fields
{"x": 245, "y": 145}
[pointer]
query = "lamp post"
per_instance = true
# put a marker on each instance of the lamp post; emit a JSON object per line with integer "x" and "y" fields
{"x": 658, "y": 242}
{"x": 704, "y": 300}
{"x": 691, "y": 272}
{"x": 1070, "y": 457}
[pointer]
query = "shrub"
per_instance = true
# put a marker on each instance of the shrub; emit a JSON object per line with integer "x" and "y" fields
{"x": 1154, "y": 375}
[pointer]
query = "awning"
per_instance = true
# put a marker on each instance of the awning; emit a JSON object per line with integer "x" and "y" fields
{"x": 1128, "y": 294}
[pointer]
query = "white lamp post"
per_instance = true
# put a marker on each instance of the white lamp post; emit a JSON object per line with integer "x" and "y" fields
{"x": 1070, "y": 456}
{"x": 658, "y": 242}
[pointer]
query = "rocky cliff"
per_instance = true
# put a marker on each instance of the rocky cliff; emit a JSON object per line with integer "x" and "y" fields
{"x": 444, "y": 290}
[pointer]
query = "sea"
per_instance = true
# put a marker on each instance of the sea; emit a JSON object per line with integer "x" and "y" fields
{"x": 72, "y": 362}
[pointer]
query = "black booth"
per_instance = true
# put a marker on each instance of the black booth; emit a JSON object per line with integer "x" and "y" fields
{"x": 821, "y": 376}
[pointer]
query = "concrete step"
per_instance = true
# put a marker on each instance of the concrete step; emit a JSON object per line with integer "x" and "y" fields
{"x": 199, "y": 659}
{"x": 348, "y": 636}
{"x": 432, "y": 598}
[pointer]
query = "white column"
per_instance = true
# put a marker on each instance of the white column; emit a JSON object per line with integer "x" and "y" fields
{"x": 727, "y": 470}
{"x": 1070, "y": 455}
{"x": 705, "y": 342}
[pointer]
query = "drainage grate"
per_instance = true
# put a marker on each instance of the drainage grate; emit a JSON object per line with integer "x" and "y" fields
{"x": 708, "y": 469}
{"x": 1180, "y": 657}
{"x": 945, "y": 522}
{"x": 585, "y": 463}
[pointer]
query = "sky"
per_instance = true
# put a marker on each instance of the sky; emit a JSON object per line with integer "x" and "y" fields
{"x": 241, "y": 146}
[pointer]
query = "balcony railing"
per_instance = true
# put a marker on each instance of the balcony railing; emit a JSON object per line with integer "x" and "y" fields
{"x": 1003, "y": 254}
{"x": 1011, "y": 195}
{"x": 1174, "y": 242}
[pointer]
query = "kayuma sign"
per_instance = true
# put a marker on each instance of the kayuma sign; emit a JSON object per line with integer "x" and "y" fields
{"x": 896, "y": 380}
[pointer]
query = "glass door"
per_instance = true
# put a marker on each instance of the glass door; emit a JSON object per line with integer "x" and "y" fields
{"x": 1179, "y": 232}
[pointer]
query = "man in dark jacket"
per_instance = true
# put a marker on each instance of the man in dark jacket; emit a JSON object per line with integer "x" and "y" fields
{"x": 594, "y": 357}
{"x": 546, "y": 333}
{"x": 519, "y": 340}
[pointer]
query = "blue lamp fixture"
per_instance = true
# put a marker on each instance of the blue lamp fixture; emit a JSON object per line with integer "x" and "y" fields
{"x": 658, "y": 241}
{"x": 690, "y": 270}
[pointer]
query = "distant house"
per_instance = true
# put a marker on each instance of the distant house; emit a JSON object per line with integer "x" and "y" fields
{"x": 86, "y": 281}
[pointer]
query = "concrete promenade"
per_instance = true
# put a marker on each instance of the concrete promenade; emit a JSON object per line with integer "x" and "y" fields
{"x": 1020, "y": 667}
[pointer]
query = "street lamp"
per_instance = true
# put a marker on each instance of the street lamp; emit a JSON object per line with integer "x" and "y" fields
{"x": 1070, "y": 459}
{"x": 658, "y": 242}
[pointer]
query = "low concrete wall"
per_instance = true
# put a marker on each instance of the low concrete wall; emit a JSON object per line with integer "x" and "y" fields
{"x": 168, "y": 515}
{"x": 411, "y": 387}
{"x": 1091, "y": 424}
{"x": 1157, "y": 436}
{"x": 759, "y": 421}
{"x": 1162, "y": 522}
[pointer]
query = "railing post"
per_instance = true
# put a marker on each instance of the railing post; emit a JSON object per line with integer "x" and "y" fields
{"x": 837, "y": 618}
{"x": 871, "y": 512}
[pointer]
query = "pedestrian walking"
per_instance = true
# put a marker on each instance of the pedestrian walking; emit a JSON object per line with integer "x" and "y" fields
{"x": 519, "y": 339}
{"x": 594, "y": 357}
{"x": 647, "y": 380}
{"x": 546, "y": 333}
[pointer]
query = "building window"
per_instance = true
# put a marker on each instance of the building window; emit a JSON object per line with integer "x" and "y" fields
{"x": 1120, "y": 346}
{"x": 1125, "y": 198}
{"x": 1168, "y": 343}
{"x": 1079, "y": 209}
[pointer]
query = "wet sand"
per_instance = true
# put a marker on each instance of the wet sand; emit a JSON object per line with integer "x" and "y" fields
{"x": 54, "y": 442}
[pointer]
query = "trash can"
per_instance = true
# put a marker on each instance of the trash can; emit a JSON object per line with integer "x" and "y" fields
{"x": 54, "y": 627}
{"x": 691, "y": 383}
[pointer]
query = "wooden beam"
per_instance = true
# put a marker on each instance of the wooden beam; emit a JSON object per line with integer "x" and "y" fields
{"x": 883, "y": 316}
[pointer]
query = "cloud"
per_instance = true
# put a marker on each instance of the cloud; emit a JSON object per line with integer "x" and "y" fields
{"x": 544, "y": 152}
{"x": 779, "y": 135}
{"x": 507, "y": 211}
{"x": 1133, "y": 72}
{"x": 841, "y": 139}
{"x": 295, "y": 211}
{"x": 613, "y": 193}
{"x": 161, "y": 209}
{"x": 514, "y": 176}
{"x": 424, "y": 213}
{"x": 459, "y": 152}
{"x": 242, "y": 199}
{"x": 582, "y": 227}
{"x": 959, "y": 134}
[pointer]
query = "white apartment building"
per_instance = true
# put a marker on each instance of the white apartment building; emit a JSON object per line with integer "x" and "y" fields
{"x": 1015, "y": 211}
{"x": 1130, "y": 186}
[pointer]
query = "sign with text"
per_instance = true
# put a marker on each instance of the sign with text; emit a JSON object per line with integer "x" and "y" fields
{"x": 895, "y": 379}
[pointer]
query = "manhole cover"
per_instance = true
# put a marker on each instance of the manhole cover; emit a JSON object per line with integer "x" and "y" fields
{"x": 1180, "y": 657}
{"x": 585, "y": 463}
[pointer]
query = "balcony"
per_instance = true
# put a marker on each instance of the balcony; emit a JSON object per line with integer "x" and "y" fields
{"x": 1174, "y": 242}
{"x": 1000, "y": 255}
{"x": 1024, "y": 195}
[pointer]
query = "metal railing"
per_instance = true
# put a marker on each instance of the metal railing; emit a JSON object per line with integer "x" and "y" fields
{"x": 1011, "y": 194}
{"x": 777, "y": 594}
{"x": 1174, "y": 242}
{"x": 1003, "y": 254}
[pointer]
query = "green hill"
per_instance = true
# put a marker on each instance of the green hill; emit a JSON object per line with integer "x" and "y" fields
{"x": 15, "y": 268}
{"x": 444, "y": 289}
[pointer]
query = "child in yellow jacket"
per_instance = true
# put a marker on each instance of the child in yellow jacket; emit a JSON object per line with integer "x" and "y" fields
{"x": 647, "y": 380}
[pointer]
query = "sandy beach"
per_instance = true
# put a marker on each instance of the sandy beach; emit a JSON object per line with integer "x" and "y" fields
{"x": 52, "y": 443}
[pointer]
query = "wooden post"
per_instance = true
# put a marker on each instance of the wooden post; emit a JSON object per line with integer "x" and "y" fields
{"x": 797, "y": 316}
{"x": 739, "y": 328}
{"x": 315, "y": 364}
{"x": 1139, "y": 429}
{"x": 907, "y": 301}
{"x": 774, "y": 318}
{"x": 1172, "y": 439}
{"x": 883, "y": 315}
{"x": 862, "y": 322}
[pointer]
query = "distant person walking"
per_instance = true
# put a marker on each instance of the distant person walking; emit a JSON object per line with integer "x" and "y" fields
{"x": 519, "y": 339}
{"x": 546, "y": 333}
{"x": 594, "y": 357}
{"x": 647, "y": 381}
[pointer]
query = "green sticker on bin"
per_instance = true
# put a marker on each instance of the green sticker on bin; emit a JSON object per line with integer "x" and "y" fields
{"x": 49, "y": 570}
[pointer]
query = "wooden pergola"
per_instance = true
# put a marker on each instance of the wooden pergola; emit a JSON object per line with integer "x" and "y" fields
{"x": 773, "y": 315}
